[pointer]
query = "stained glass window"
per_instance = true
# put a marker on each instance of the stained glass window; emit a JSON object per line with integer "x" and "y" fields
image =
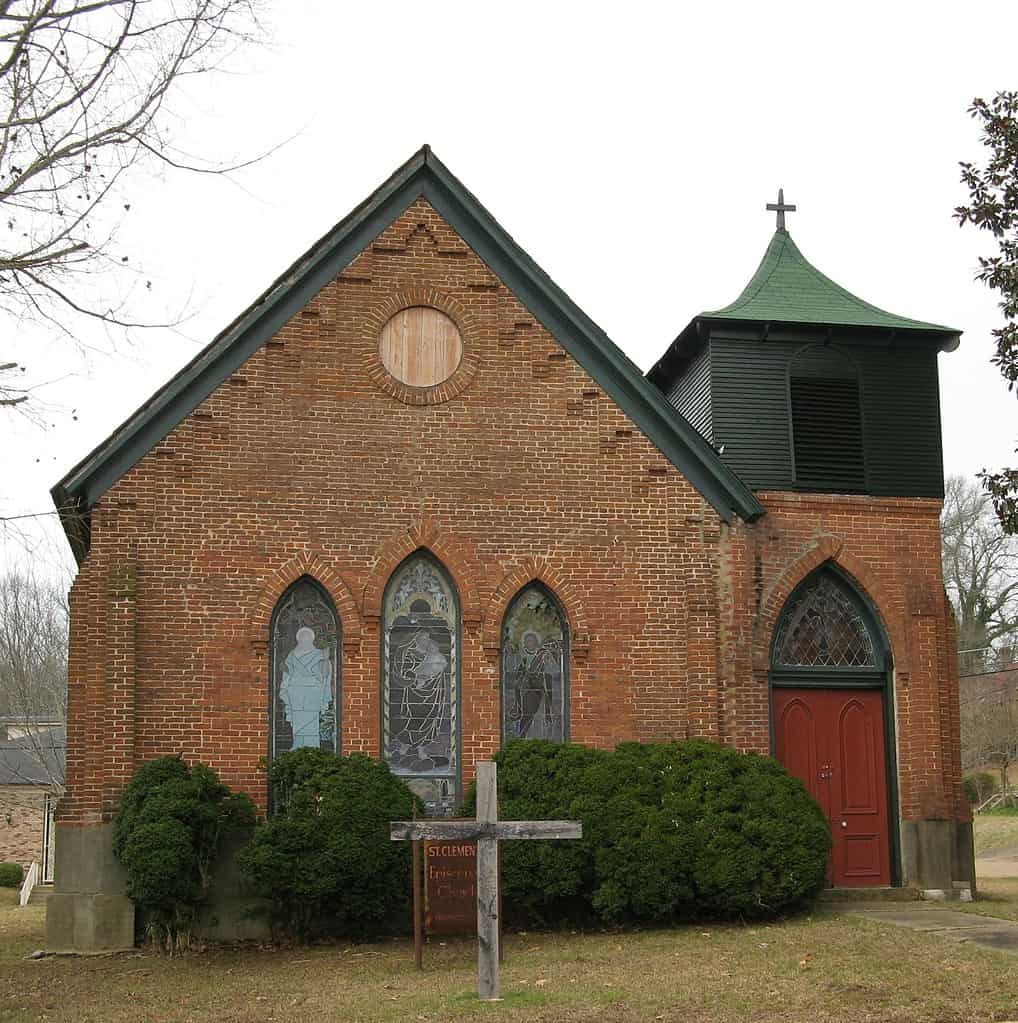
{"x": 823, "y": 626}
{"x": 420, "y": 682}
{"x": 305, "y": 670}
{"x": 535, "y": 660}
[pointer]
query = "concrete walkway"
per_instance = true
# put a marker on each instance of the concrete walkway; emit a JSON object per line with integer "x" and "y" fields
{"x": 949, "y": 923}
{"x": 992, "y": 866}
{"x": 938, "y": 918}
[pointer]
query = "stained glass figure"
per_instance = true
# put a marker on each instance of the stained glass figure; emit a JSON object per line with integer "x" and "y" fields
{"x": 534, "y": 668}
{"x": 420, "y": 702}
{"x": 823, "y": 626}
{"x": 305, "y": 670}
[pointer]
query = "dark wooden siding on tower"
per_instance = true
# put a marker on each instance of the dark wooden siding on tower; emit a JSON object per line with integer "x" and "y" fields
{"x": 748, "y": 410}
{"x": 749, "y": 385}
{"x": 690, "y": 394}
{"x": 901, "y": 422}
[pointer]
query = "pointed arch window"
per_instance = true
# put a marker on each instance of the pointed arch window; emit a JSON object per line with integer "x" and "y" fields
{"x": 420, "y": 681}
{"x": 535, "y": 667}
{"x": 305, "y": 666}
{"x": 825, "y": 625}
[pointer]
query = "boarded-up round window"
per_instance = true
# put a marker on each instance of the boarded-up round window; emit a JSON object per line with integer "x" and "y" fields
{"x": 420, "y": 346}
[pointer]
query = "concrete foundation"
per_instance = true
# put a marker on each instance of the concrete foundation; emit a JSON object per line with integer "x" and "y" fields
{"x": 233, "y": 912}
{"x": 937, "y": 857}
{"x": 88, "y": 910}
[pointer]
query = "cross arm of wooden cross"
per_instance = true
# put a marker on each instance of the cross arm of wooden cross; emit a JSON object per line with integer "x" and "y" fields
{"x": 471, "y": 831}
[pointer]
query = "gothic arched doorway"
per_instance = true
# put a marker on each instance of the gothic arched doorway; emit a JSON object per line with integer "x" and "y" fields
{"x": 833, "y": 720}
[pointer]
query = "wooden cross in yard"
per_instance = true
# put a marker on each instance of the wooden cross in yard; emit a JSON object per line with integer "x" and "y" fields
{"x": 487, "y": 831}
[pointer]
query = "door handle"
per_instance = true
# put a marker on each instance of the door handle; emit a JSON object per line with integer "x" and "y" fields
{"x": 844, "y": 824}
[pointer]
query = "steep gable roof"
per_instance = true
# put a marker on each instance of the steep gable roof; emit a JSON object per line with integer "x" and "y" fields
{"x": 422, "y": 176}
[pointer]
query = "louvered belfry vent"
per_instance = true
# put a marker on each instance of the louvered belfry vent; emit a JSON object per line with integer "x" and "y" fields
{"x": 827, "y": 434}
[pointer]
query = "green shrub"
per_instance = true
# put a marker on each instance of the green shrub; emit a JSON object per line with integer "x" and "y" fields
{"x": 11, "y": 875}
{"x": 670, "y": 831}
{"x": 324, "y": 860}
{"x": 1002, "y": 811}
{"x": 167, "y": 833}
{"x": 979, "y": 786}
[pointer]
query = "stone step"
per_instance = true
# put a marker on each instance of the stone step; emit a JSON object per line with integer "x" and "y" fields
{"x": 839, "y": 895}
{"x": 40, "y": 893}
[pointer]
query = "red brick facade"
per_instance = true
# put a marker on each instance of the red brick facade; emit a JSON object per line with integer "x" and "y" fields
{"x": 890, "y": 547}
{"x": 311, "y": 460}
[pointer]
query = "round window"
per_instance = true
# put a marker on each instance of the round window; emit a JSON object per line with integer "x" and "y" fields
{"x": 420, "y": 346}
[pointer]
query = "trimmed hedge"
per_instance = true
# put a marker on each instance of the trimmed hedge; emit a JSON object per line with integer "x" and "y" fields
{"x": 11, "y": 875}
{"x": 324, "y": 860}
{"x": 670, "y": 832}
{"x": 166, "y": 833}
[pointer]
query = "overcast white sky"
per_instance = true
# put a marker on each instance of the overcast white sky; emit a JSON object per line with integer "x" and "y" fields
{"x": 629, "y": 148}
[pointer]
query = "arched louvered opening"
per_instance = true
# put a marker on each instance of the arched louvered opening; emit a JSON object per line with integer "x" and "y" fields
{"x": 420, "y": 681}
{"x": 827, "y": 428}
{"x": 534, "y": 658}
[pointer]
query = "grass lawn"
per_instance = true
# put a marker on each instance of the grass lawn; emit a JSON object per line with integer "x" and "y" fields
{"x": 994, "y": 832}
{"x": 998, "y": 896}
{"x": 812, "y": 968}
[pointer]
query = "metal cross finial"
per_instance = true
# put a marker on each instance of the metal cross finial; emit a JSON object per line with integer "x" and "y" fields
{"x": 781, "y": 208}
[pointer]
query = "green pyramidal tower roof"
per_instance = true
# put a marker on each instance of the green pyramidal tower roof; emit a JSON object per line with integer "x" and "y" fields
{"x": 787, "y": 288}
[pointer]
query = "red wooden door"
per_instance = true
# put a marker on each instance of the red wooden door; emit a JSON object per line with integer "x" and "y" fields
{"x": 833, "y": 739}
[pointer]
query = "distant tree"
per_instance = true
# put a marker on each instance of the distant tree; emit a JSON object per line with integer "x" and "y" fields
{"x": 989, "y": 732}
{"x": 85, "y": 87}
{"x": 993, "y": 207}
{"x": 33, "y": 672}
{"x": 981, "y": 575}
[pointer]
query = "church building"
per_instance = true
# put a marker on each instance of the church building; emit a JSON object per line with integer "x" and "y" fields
{"x": 413, "y": 502}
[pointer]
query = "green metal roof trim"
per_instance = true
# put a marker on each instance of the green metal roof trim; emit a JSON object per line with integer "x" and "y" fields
{"x": 422, "y": 176}
{"x": 787, "y": 288}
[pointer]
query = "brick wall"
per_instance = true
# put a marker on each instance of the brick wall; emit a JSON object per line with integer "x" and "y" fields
{"x": 311, "y": 460}
{"x": 891, "y": 549}
{"x": 21, "y": 837}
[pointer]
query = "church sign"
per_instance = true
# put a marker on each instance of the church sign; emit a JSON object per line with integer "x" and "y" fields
{"x": 450, "y": 888}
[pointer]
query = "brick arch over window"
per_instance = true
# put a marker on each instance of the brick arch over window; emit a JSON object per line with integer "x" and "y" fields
{"x": 829, "y": 549}
{"x": 453, "y": 552}
{"x": 536, "y": 570}
{"x": 326, "y": 576}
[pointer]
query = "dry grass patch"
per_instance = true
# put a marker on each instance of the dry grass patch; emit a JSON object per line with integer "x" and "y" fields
{"x": 994, "y": 832}
{"x": 821, "y": 968}
{"x": 998, "y": 896}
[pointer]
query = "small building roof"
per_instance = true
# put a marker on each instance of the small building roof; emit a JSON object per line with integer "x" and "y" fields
{"x": 35, "y": 759}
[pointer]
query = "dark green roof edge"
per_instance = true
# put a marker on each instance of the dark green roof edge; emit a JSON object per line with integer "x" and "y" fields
{"x": 821, "y": 300}
{"x": 423, "y": 175}
{"x": 825, "y": 305}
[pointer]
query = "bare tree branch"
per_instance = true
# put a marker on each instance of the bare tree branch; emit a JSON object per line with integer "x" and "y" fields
{"x": 84, "y": 88}
{"x": 33, "y": 678}
{"x": 981, "y": 575}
